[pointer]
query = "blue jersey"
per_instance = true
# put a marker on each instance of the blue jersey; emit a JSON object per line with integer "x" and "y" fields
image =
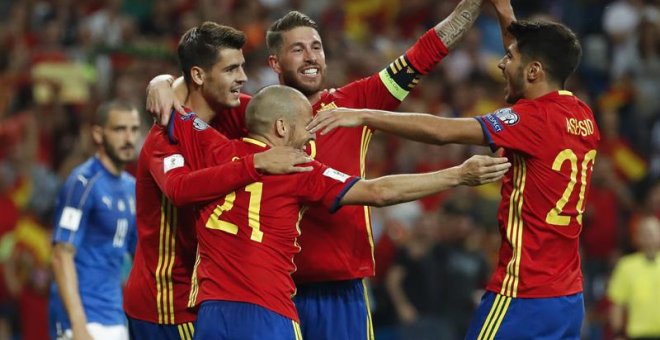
{"x": 95, "y": 212}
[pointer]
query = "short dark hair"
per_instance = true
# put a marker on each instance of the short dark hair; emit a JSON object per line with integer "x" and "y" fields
{"x": 200, "y": 46}
{"x": 553, "y": 44}
{"x": 103, "y": 111}
{"x": 288, "y": 22}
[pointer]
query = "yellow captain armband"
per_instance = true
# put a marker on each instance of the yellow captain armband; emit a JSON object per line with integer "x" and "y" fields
{"x": 399, "y": 77}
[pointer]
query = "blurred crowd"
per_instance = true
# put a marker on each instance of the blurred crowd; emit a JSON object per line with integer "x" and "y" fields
{"x": 60, "y": 58}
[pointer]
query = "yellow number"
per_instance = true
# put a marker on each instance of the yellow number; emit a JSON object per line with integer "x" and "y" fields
{"x": 589, "y": 157}
{"x": 554, "y": 216}
{"x": 214, "y": 221}
{"x": 255, "y": 190}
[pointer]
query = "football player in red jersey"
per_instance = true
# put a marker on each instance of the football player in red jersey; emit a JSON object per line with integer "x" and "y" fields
{"x": 551, "y": 138}
{"x": 247, "y": 239}
{"x": 339, "y": 252}
{"x": 158, "y": 287}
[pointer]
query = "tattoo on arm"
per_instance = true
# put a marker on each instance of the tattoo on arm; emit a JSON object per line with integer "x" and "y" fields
{"x": 453, "y": 28}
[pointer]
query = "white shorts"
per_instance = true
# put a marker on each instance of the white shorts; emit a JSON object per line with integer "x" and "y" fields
{"x": 101, "y": 332}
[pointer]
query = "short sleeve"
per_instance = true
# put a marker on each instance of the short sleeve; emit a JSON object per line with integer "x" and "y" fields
{"x": 326, "y": 185}
{"x": 518, "y": 128}
{"x": 73, "y": 208}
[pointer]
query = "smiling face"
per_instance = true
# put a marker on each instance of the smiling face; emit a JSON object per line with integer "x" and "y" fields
{"x": 221, "y": 84}
{"x": 300, "y": 61}
{"x": 512, "y": 67}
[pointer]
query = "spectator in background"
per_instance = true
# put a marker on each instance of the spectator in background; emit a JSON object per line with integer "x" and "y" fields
{"x": 634, "y": 287}
{"x": 415, "y": 282}
{"x": 94, "y": 228}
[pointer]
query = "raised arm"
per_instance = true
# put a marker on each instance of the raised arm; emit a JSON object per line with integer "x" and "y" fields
{"x": 452, "y": 29}
{"x": 394, "y": 189}
{"x": 165, "y": 93}
{"x": 421, "y": 127}
{"x": 505, "y": 16}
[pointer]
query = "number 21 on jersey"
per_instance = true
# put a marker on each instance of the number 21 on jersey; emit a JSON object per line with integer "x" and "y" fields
{"x": 555, "y": 216}
{"x": 214, "y": 221}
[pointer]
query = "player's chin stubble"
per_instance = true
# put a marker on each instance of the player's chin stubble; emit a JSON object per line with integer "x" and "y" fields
{"x": 290, "y": 79}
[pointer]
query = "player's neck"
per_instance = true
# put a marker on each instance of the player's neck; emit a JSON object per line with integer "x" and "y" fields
{"x": 107, "y": 162}
{"x": 199, "y": 105}
{"x": 540, "y": 89}
{"x": 315, "y": 97}
{"x": 268, "y": 140}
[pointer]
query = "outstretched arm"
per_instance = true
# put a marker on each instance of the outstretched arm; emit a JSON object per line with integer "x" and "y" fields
{"x": 421, "y": 127}
{"x": 452, "y": 29}
{"x": 394, "y": 189}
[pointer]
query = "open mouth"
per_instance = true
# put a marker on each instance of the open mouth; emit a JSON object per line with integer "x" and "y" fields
{"x": 311, "y": 72}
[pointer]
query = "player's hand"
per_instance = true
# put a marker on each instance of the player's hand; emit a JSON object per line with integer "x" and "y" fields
{"x": 281, "y": 160}
{"x": 81, "y": 333}
{"x": 480, "y": 169}
{"x": 161, "y": 99}
{"x": 325, "y": 121}
{"x": 408, "y": 314}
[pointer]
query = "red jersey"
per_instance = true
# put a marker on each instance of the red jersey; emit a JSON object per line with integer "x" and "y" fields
{"x": 231, "y": 121}
{"x": 551, "y": 142}
{"x": 340, "y": 246}
{"x": 159, "y": 283}
{"x": 248, "y": 238}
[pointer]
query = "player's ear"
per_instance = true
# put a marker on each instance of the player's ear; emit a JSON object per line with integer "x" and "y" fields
{"x": 197, "y": 75}
{"x": 274, "y": 63}
{"x": 97, "y": 134}
{"x": 534, "y": 71}
{"x": 281, "y": 128}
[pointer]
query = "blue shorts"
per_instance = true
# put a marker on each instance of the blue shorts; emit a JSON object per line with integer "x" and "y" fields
{"x": 139, "y": 330}
{"x": 335, "y": 310}
{"x": 502, "y": 317}
{"x": 243, "y": 321}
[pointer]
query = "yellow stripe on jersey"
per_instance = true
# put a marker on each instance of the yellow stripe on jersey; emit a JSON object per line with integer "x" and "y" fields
{"x": 514, "y": 228}
{"x": 312, "y": 149}
{"x": 495, "y": 316}
{"x": 370, "y": 324}
{"x": 194, "y": 285}
{"x": 163, "y": 217}
{"x": 166, "y": 253}
{"x": 296, "y": 330}
{"x": 168, "y": 273}
{"x": 364, "y": 146}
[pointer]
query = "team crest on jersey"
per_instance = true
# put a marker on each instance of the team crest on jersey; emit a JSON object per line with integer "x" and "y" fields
{"x": 329, "y": 106}
{"x": 187, "y": 116}
{"x": 507, "y": 116}
{"x": 199, "y": 124}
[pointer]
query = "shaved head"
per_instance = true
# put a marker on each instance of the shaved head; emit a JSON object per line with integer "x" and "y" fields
{"x": 272, "y": 103}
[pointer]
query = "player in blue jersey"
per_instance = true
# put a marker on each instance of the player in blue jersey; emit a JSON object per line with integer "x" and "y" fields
{"x": 94, "y": 229}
